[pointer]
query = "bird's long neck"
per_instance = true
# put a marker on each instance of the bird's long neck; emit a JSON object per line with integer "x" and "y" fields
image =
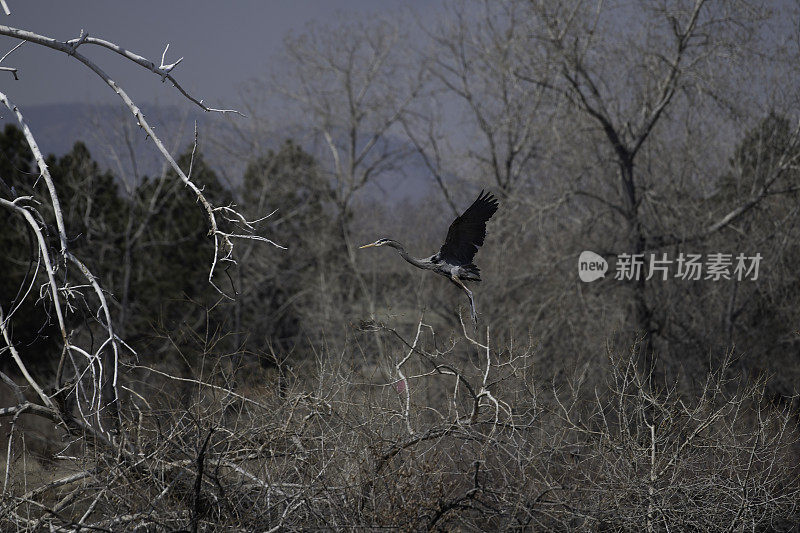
{"x": 419, "y": 263}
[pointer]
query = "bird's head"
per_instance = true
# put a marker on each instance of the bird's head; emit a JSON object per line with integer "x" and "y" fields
{"x": 379, "y": 242}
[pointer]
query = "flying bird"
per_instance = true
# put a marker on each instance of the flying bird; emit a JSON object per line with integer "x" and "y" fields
{"x": 454, "y": 259}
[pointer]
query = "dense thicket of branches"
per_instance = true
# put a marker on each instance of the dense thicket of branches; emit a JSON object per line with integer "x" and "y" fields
{"x": 320, "y": 387}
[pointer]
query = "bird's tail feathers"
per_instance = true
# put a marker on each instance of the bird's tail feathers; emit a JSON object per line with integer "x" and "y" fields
{"x": 473, "y": 273}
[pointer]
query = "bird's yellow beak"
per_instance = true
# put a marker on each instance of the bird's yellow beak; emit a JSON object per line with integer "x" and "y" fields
{"x": 367, "y": 246}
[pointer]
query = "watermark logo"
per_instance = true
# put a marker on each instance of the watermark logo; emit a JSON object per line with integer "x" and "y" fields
{"x": 591, "y": 266}
{"x": 686, "y": 266}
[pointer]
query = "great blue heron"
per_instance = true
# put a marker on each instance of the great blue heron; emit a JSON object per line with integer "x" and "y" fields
{"x": 454, "y": 259}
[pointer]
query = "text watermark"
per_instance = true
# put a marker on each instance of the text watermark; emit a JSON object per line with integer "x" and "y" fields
{"x": 686, "y": 266}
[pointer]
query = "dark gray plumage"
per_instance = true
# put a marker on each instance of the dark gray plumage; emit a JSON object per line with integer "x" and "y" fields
{"x": 454, "y": 260}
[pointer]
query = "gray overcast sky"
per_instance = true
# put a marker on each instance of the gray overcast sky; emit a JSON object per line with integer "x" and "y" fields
{"x": 224, "y": 43}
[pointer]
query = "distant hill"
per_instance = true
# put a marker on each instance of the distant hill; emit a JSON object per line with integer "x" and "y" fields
{"x": 110, "y": 132}
{"x": 115, "y": 141}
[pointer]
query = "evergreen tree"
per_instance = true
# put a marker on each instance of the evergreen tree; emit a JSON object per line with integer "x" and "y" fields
{"x": 93, "y": 213}
{"x": 170, "y": 263}
{"x": 281, "y": 293}
{"x": 33, "y": 332}
{"x": 762, "y": 314}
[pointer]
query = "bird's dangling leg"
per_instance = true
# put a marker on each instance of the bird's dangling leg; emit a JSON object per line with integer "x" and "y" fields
{"x": 471, "y": 300}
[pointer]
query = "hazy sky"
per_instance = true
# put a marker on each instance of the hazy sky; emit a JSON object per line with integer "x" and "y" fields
{"x": 224, "y": 43}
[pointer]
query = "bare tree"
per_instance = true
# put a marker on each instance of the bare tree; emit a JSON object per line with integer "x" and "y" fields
{"x": 636, "y": 88}
{"x": 353, "y": 83}
{"x": 88, "y": 376}
{"x": 477, "y": 51}
{"x": 442, "y": 429}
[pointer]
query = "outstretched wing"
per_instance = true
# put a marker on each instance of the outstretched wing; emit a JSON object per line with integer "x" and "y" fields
{"x": 468, "y": 231}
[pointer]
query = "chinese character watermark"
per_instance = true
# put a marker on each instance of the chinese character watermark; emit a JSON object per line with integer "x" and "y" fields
{"x": 686, "y": 266}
